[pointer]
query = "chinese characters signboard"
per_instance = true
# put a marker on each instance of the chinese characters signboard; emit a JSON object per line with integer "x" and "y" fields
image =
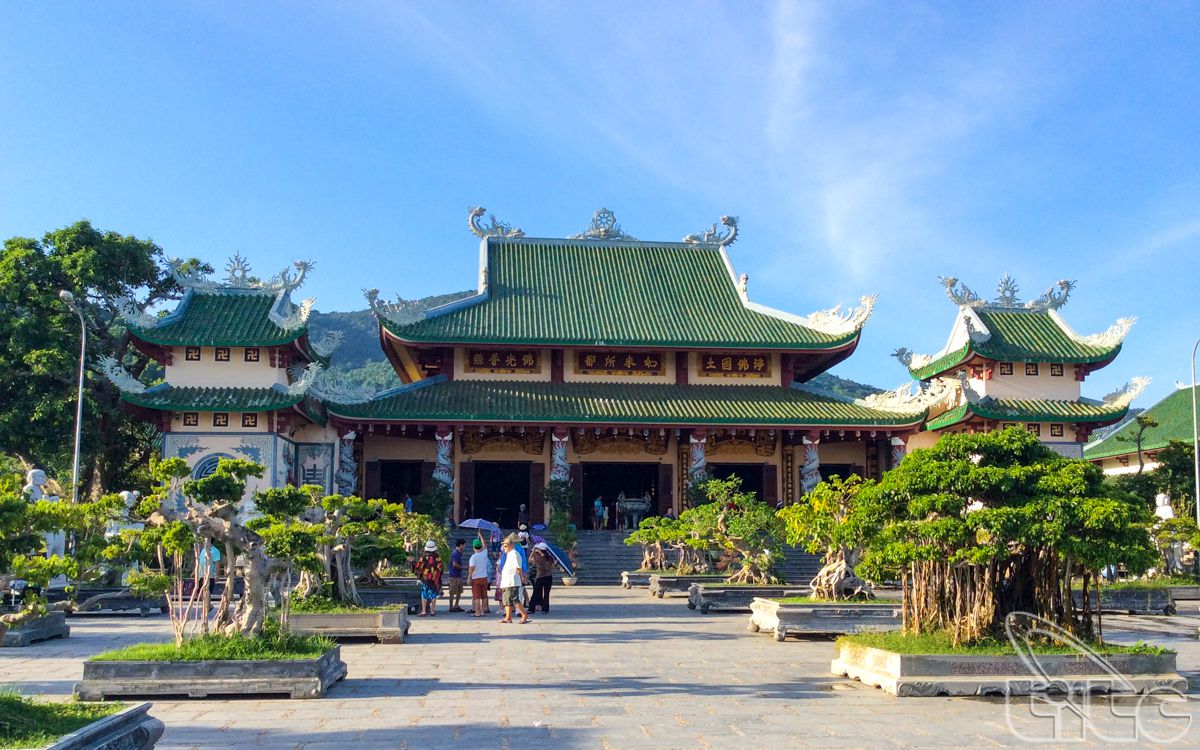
{"x": 609, "y": 362}
{"x": 507, "y": 361}
{"x": 734, "y": 365}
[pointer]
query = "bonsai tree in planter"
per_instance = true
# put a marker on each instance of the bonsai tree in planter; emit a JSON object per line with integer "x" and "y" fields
{"x": 834, "y": 521}
{"x": 981, "y": 525}
{"x": 657, "y": 536}
{"x": 740, "y": 527}
{"x": 22, "y": 525}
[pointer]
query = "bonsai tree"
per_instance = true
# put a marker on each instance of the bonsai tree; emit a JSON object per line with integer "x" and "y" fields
{"x": 981, "y": 525}
{"x": 657, "y": 535}
{"x": 735, "y": 524}
{"x": 834, "y": 520}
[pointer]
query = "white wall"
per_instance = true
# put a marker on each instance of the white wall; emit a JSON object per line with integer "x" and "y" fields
{"x": 1022, "y": 386}
{"x": 235, "y": 373}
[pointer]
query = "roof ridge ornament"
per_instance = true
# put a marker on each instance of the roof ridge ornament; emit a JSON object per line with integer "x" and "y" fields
{"x": 494, "y": 227}
{"x": 604, "y": 227}
{"x": 1007, "y": 295}
{"x": 901, "y": 400}
{"x": 1006, "y": 292}
{"x": 297, "y": 316}
{"x": 238, "y": 277}
{"x": 959, "y": 293}
{"x": 911, "y": 359}
{"x": 326, "y": 384}
{"x": 119, "y": 376}
{"x": 1115, "y": 334}
{"x": 328, "y": 343}
{"x": 1124, "y": 396}
{"x": 834, "y": 322}
{"x": 134, "y": 315}
{"x": 711, "y": 236}
{"x": 1051, "y": 299}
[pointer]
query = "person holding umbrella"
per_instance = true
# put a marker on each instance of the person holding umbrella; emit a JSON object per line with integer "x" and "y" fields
{"x": 543, "y": 564}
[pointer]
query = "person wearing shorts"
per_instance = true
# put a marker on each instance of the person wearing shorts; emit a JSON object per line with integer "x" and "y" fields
{"x": 455, "y": 576}
{"x": 477, "y": 572}
{"x": 428, "y": 568}
{"x": 512, "y": 577}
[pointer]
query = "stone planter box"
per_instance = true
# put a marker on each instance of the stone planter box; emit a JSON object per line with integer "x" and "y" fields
{"x": 1184, "y": 593}
{"x": 662, "y": 585}
{"x": 119, "y": 601}
{"x": 709, "y": 596}
{"x": 783, "y": 620}
{"x": 388, "y": 626}
{"x": 406, "y": 595}
{"x": 298, "y": 678}
{"x": 130, "y": 729}
{"x": 52, "y": 625}
{"x": 635, "y": 578}
{"x": 1133, "y": 601}
{"x": 924, "y": 675}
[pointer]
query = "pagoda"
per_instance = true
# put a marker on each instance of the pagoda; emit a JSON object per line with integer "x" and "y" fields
{"x": 1009, "y": 362}
{"x": 240, "y": 376}
{"x": 629, "y": 368}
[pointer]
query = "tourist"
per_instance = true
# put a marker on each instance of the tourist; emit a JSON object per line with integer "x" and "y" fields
{"x": 407, "y": 503}
{"x": 428, "y": 568}
{"x": 523, "y": 550}
{"x": 456, "y": 576}
{"x": 604, "y": 516}
{"x": 597, "y": 512}
{"x": 522, "y": 517}
{"x": 512, "y": 577}
{"x": 477, "y": 572}
{"x": 543, "y": 577}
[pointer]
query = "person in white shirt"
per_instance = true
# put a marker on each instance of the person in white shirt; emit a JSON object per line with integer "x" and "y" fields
{"x": 512, "y": 578}
{"x": 477, "y": 574}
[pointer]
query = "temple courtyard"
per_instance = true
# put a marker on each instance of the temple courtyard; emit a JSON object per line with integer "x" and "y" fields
{"x": 608, "y": 668}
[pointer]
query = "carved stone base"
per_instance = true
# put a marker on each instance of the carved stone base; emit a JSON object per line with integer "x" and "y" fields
{"x": 1134, "y": 601}
{"x": 406, "y": 593}
{"x": 298, "y": 678}
{"x": 783, "y": 620}
{"x": 922, "y": 675}
{"x": 635, "y": 578}
{"x": 130, "y": 729}
{"x": 53, "y": 625}
{"x": 662, "y": 585}
{"x": 389, "y": 626}
{"x": 711, "y": 596}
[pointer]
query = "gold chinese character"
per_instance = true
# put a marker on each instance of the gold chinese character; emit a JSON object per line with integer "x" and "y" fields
{"x": 527, "y": 359}
{"x": 477, "y": 358}
{"x": 589, "y": 361}
{"x": 710, "y": 364}
{"x": 726, "y": 364}
{"x": 610, "y": 361}
{"x": 494, "y": 360}
{"x": 760, "y": 364}
{"x": 629, "y": 362}
{"x": 743, "y": 364}
{"x": 510, "y": 360}
{"x": 650, "y": 363}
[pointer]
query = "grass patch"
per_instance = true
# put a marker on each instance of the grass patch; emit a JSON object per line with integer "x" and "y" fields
{"x": 275, "y": 645}
{"x": 319, "y": 605}
{"x": 1149, "y": 583}
{"x": 942, "y": 643}
{"x": 28, "y": 723}
{"x": 814, "y": 600}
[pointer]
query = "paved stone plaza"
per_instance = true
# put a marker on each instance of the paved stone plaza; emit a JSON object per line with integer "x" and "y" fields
{"x": 608, "y": 669}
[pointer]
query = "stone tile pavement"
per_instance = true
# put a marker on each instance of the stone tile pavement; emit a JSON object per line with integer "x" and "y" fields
{"x": 607, "y": 669}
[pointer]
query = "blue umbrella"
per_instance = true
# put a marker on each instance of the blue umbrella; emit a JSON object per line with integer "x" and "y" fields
{"x": 479, "y": 523}
{"x": 558, "y": 554}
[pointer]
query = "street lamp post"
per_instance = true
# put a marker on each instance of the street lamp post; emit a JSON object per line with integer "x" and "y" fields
{"x": 69, "y": 300}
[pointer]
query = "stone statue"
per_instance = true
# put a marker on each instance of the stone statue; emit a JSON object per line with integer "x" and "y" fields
{"x": 560, "y": 469}
{"x": 698, "y": 466}
{"x": 443, "y": 470}
{"x": 115, "y": 527}
{"x": 1173, "y": 552}
{"x": 56, "y": 541}
{"x": 810, "y": 472}
{"x": 347, "y": 473}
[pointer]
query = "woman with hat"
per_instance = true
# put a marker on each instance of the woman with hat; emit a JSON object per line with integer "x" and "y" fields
{"x": 428, "y": 568}
{"x": 543, "y": 564}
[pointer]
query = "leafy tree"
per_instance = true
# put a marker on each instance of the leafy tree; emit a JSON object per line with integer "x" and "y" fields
{"x": 836, "y": 519}
{"x": 39, "y": 362}
{"x": 745, "y": 531}
{"x": 982, "y": 525}
{"x": 1144, "y": 422}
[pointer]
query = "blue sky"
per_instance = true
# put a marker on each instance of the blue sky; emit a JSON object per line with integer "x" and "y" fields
{"x": 866, "y": 147}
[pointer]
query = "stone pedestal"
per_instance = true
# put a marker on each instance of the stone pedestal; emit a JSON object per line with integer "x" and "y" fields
{"x": 662, "y": 585}
{"x": 52, "y": 625}
{"x": 783, "y": 620}
{"x": 131, "y": 729}
{"x": 388, "y": 626}
{"x": 294, "y": 678}
{"x": 713, "y": 596}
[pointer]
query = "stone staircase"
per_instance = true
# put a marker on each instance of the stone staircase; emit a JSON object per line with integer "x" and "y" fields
{"x": 603, "y": 555}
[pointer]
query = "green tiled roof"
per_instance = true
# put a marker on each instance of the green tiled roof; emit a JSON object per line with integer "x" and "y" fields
{"x": 585, "y": 293}
{"x": 1028, "y": 410}
{"x": 438, "y": 399}
{"x": 1174, "y": 417}
{"x": 173, "y": 398}
{"x": 1020, "y": 336}
{"x": 219, "y": 319}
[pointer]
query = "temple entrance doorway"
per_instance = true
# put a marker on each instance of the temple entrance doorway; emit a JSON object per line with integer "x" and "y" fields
{"x": 750, "y": 474}
{"x": 397, "y": 478}
{"x": 607, "y": 480}
{"x": 501, "y": 487}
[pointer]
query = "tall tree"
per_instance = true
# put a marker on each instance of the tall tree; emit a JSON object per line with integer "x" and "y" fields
{"x": 39, "y": 359}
